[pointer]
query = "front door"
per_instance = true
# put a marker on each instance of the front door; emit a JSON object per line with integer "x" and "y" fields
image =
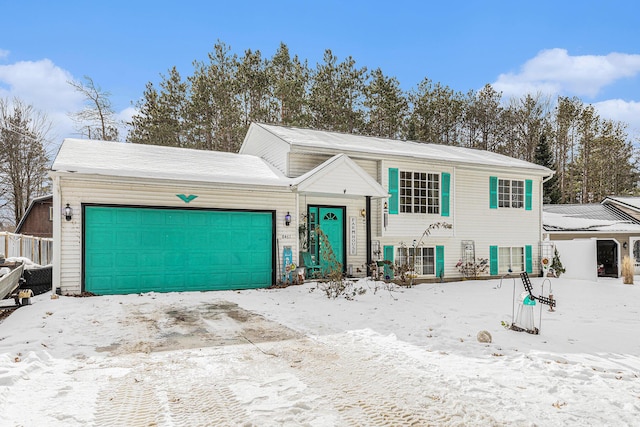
{"x": 330, "y": 220}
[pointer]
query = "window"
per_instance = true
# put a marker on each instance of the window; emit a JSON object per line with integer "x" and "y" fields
{"x": 510, "y": 193}
{"x": 419, "y": 192}
{"x": 425, "y": 259}
{"x": 511, "y": 258}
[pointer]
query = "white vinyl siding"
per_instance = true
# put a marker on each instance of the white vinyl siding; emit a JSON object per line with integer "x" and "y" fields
{"x": 262, "y": 143}
{"x": 301, "y": 163}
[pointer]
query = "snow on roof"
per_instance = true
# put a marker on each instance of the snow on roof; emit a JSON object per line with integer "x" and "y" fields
{"x": 587, "y": 217}
{"x": 383, "y": 146}
{"x": 158, "y": 162}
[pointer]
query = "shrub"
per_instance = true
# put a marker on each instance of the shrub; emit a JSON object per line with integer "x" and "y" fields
{"x": 627, "y": 270}
{"x": 335, "y": 284}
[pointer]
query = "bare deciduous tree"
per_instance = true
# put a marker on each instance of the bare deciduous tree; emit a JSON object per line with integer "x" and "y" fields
{"x": 97, "y": 120}
{"x": 23, "y": 158}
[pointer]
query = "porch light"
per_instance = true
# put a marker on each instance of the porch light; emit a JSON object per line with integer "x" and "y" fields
{"x": 363, "y": 213}
{"x": 68, "y": 212}
{"x": 287, "y": 219}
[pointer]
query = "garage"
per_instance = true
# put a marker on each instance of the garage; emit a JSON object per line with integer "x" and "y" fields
{"x": 140, "y": 249}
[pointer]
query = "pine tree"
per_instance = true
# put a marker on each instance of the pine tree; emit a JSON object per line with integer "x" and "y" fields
{"x": 336, "y": 98}
{"x": 290, "y": 80}
{"x": 437, "y": 113}
{"x": 215, "y": 111}
{"x": 483, "y": 119}
{"x": 386, "y": 106}
{"x": 544, "y": 157}
{"x": 161, "y": 117}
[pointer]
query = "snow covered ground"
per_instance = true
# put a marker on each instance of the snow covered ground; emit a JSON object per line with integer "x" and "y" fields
{"x": 293, "y": 357}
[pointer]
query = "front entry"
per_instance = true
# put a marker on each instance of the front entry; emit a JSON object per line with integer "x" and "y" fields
{"x": 330, "y": 219}
{"x": 607, "y": 258}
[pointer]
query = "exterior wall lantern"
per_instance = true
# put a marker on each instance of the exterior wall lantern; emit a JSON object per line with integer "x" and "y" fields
{"x": 363, "y": 213}
{"x": 287, "y": 219}
{"x": 68, "y": 212}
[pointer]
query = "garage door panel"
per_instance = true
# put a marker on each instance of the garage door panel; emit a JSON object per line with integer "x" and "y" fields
{"x": 131, "y": 250}
{"x": 129, "y": 217}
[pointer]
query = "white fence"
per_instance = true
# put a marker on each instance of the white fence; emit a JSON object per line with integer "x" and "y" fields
{"x": 37, "y": 249}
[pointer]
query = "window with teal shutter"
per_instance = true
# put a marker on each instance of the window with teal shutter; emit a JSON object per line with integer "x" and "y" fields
{"x": 528, "y": 259}
{"x": 393, "y": 191}
{"x": 528, "y": 190}
{"x": 440, "y": 261}
{"x": 446, "y": 180}
{"x": 388, "y": 256}
{"x": 493, "y": 192}
{"x": 493, "y": 260}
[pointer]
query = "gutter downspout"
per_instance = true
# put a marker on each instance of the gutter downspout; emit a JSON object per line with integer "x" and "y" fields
{"x": 368, "y": 233}
{"x": 57, "y": 235}
{"x": 541, "y": 225}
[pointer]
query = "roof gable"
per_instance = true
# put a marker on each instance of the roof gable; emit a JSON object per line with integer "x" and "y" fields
{"x": 339, "y": 176}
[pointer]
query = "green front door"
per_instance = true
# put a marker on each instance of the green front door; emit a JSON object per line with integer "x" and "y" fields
{"x": 331, "y": 221}
{"x": 132, "y": 250}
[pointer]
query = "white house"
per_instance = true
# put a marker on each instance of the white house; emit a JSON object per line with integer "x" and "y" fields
{"x": 148, "y": 218}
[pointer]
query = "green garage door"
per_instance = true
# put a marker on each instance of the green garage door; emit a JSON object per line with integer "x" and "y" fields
{"x": 132, "y": 250}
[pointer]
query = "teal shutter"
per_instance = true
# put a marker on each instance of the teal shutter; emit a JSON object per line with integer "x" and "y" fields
{"x": 440, "y": 261}
{"x": 528, "y": 261}
{"x": 388, "y": 256}
{"x": 493, "y": 192}
{"x": 446, "y": 182}
{"x": 493, "y": 260}
{"x": 393, "y": 191}
{"x": 528, "y": 190}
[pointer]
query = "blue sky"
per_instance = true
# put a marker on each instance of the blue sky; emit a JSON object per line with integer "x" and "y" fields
{"x": 589, "y": 49}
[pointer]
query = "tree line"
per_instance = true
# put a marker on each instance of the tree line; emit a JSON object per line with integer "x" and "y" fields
{"x": 212, "y": 108}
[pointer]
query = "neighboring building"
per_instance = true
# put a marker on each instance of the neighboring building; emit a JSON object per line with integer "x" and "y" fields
{"x": 38, "y": 219}
{"x": 157, "y": 218}
{"x": 610, "y": 231}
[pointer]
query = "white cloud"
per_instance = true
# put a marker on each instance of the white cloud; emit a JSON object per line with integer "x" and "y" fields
{"x": 40, "y": 83}
{"x": 45, "y": 86}
{"x": 554, "y": 71}
{"x": 620, "y": 110}
{"x": 4, "y": 53}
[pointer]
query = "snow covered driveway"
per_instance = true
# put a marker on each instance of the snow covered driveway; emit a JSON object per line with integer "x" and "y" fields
{"x": 292, "y": 357}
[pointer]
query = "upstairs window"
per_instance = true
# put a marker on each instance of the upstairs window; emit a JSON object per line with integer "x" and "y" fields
{"x": 510, "y": 193}
{"x": 419, "y": 192}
